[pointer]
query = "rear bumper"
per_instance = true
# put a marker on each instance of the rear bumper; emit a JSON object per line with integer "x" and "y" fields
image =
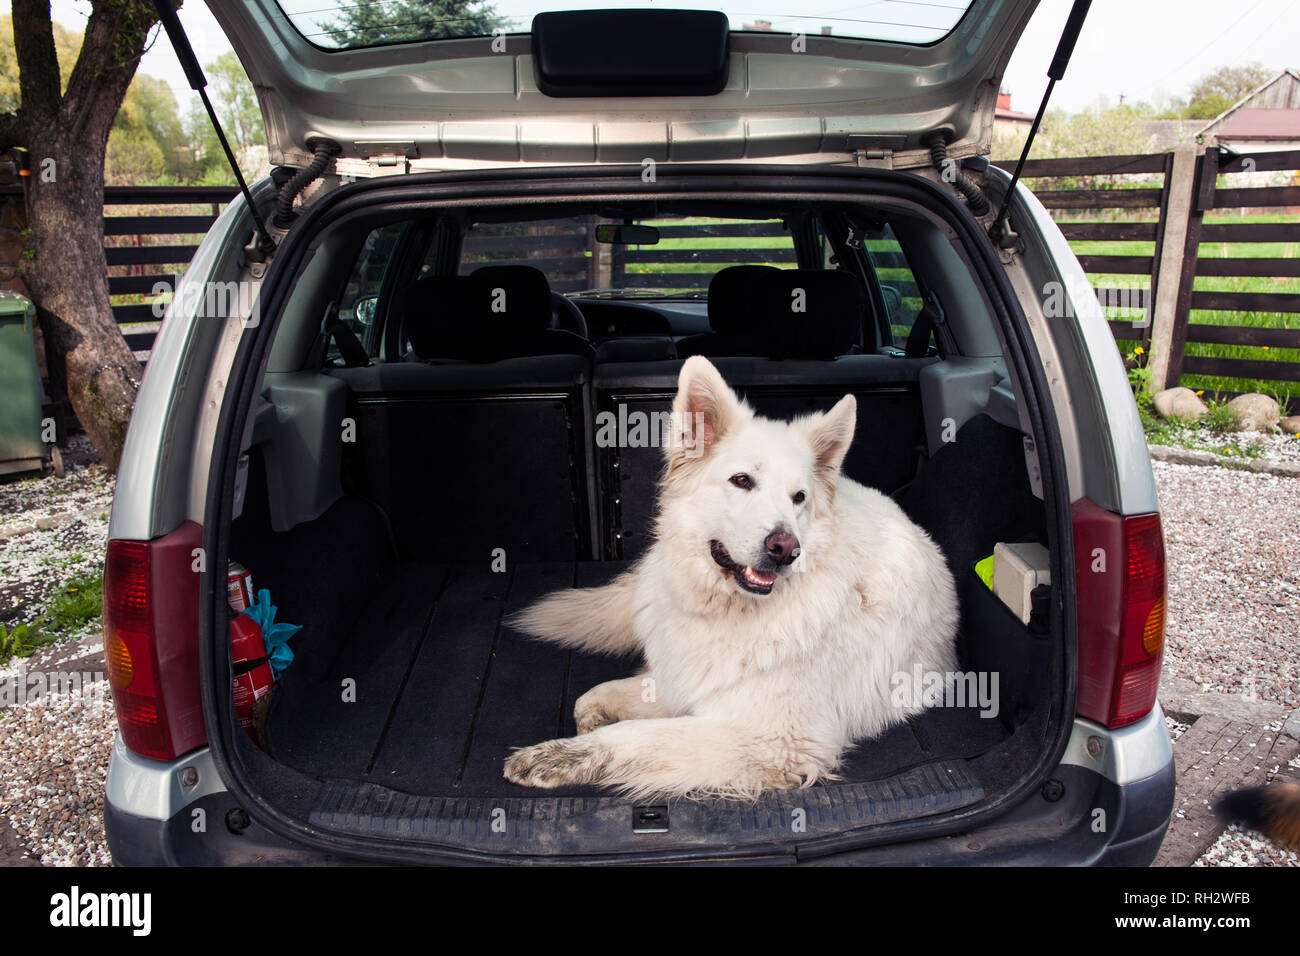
{"x": 181, "y": 814}
{"x": 1111, "y": 809}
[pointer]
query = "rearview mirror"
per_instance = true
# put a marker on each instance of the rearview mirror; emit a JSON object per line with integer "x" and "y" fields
{"x": 627, "y": 235}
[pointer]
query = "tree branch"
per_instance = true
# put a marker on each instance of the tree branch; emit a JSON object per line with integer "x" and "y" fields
{"x": 38, "y": 62}
{"x": 115, "y": 37}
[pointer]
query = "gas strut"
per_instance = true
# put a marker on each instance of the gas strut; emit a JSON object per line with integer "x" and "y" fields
{"x": 198, "y": 82}
{"x": 1000, "y": 231}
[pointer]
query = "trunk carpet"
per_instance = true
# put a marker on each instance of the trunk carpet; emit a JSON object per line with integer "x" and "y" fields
{"x": 430, "y": 690}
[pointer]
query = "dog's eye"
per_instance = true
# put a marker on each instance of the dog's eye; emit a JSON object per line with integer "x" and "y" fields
{"x": 798, "y": 497}
{"x": 742, "y": 481}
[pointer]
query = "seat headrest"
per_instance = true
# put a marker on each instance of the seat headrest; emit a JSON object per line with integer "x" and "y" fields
{"x": 736, "y": 297}
{"x": 481, "y": 319}
{"x": 814, "y": 313}
{"x": 525, "y": 292}
{"x": 791, "y": 313}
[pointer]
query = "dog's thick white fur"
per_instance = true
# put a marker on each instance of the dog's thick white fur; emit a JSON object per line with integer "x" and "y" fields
{"x": 759, "y": 674}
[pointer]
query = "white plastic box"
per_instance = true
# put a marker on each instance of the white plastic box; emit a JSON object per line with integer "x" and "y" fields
{"x": 1017, "y": 570}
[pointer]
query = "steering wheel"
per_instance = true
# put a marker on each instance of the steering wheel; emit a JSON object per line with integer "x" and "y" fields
{"x": 565, "y": 315}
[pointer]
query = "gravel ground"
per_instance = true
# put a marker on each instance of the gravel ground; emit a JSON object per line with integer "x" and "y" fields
{"x": 1238, "y": 847}
{"x": 1222, "y": 527}
{"x": 51, "y": 529}
{"x": 1233, "y": 541}
{"x": 1176, "y": 727}
{"x": 53, "y": 764}
{"x": 1275, "y": 446}
{"x": 55, "y": 732}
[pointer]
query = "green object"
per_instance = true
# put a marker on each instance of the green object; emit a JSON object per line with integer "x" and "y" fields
{"x": 21, "y": 448}
{"x": 984, "y": 569}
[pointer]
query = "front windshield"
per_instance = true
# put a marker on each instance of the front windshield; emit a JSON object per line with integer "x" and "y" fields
{"x": 689, "y": 252}
{"x": 359, "y": 23}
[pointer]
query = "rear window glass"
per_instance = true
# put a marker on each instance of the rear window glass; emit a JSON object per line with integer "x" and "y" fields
{"x": 358, "y": 306}
{"x": 681, "y": 264}
{"x": 897, "y": 283}
{"x": 361, "y": 23}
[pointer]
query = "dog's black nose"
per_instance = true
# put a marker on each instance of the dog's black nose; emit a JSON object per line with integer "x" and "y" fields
{"x": 782, "y": 547}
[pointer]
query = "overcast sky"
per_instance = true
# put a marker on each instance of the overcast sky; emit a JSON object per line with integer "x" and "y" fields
{"x": 1139, "y": 49}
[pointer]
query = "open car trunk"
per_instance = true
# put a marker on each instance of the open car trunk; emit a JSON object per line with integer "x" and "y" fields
{"x": 442, "y": 688}
{"x": 472, "y": 489}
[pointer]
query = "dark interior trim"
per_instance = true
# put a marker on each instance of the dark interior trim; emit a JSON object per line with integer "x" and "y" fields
{"x": 430, "y": 192}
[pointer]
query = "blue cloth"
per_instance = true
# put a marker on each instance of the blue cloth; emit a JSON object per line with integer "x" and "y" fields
{"x": 275, "y": 635}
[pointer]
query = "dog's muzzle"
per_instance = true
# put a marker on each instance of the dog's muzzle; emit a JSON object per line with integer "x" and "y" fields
{"x": 751, "y": 579}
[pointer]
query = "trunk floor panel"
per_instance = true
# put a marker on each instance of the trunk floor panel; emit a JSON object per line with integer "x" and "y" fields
{"x": 550, "y": 826}
{"x": 432, "y": 690}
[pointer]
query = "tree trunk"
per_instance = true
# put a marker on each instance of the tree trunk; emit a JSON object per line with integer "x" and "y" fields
{"x": 67, "y": 278}
{"x": 66, "y": 135}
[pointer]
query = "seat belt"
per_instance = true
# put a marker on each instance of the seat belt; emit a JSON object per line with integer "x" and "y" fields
{"x": 350, "y": 347}
{"x": 930, "y": 319}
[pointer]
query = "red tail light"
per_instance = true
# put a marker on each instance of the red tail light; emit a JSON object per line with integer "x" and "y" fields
{"x": 151, "y": 592}
{"x": 1120, "y": 574}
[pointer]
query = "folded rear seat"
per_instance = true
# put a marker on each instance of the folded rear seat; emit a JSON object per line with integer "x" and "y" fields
{"x": 804, "y": 362}
{"x": 494, "y": 386}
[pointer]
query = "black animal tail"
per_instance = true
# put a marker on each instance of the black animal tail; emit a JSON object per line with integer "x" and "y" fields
{"x": 1273, "y": 810}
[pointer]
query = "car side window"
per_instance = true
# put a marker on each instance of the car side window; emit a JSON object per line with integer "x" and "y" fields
{"x": 358, "y": 306}
{"x": 898, "y": 284}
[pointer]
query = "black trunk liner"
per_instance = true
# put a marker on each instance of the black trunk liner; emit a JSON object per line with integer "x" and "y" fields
{"x": 430, "y": 690}
{"x": 547, "y": 826}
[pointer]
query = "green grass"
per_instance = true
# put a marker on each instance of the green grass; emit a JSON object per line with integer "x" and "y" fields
{"x": 748, "y": 252}
{"x": 1220, "y": 419}
{"x": 1174, "y": 432}
{"x": 69, "y": 610}
{"x": 1237, "y": 450}
{"x": 21, "y": 641}
{"x": 76, "y": 603}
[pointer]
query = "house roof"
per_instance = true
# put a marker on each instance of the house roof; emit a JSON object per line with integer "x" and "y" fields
{"x": 1210, "y": 127}
{"x": 1260, "y": 124}
{"x": 1003, "y": 111}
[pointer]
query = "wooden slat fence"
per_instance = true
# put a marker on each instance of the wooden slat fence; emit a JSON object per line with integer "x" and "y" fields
{"x": 1246, "y": 318}
{"x": 150, "y": 235}
{"x": 1237, "y": 314}
{"x": 1248, "y": 296}
{"x": 1130, "y": 212}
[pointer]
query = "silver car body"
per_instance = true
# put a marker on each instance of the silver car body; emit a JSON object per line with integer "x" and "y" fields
{"x": 487, "y": 114}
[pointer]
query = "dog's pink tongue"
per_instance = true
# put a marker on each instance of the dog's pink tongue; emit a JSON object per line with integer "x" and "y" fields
{"x": 758, "y": 577}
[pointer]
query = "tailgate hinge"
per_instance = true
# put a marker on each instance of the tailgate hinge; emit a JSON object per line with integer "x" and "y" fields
{"x": 388, "y": 158}
{"x": 874, "y": 158}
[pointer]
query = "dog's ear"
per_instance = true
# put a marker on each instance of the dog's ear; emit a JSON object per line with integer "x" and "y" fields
{"x": 704, "y": 409}
{"x": 831, "y": 433}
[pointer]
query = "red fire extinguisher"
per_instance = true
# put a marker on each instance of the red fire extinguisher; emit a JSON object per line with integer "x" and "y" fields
{"x": 250, "y": 668}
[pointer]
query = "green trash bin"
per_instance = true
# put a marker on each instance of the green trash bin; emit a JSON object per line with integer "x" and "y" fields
{"x": 21, "y": 448}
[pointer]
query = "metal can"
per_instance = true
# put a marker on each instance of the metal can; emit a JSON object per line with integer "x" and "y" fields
{"x": 239, "y": 587}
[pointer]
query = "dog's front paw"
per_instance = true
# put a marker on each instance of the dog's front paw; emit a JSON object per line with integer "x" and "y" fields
{"x": 590, "y": 711}
{"x": 553, "y": 763}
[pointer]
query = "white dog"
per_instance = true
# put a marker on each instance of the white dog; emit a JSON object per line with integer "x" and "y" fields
{"x": 776, "y": 604}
